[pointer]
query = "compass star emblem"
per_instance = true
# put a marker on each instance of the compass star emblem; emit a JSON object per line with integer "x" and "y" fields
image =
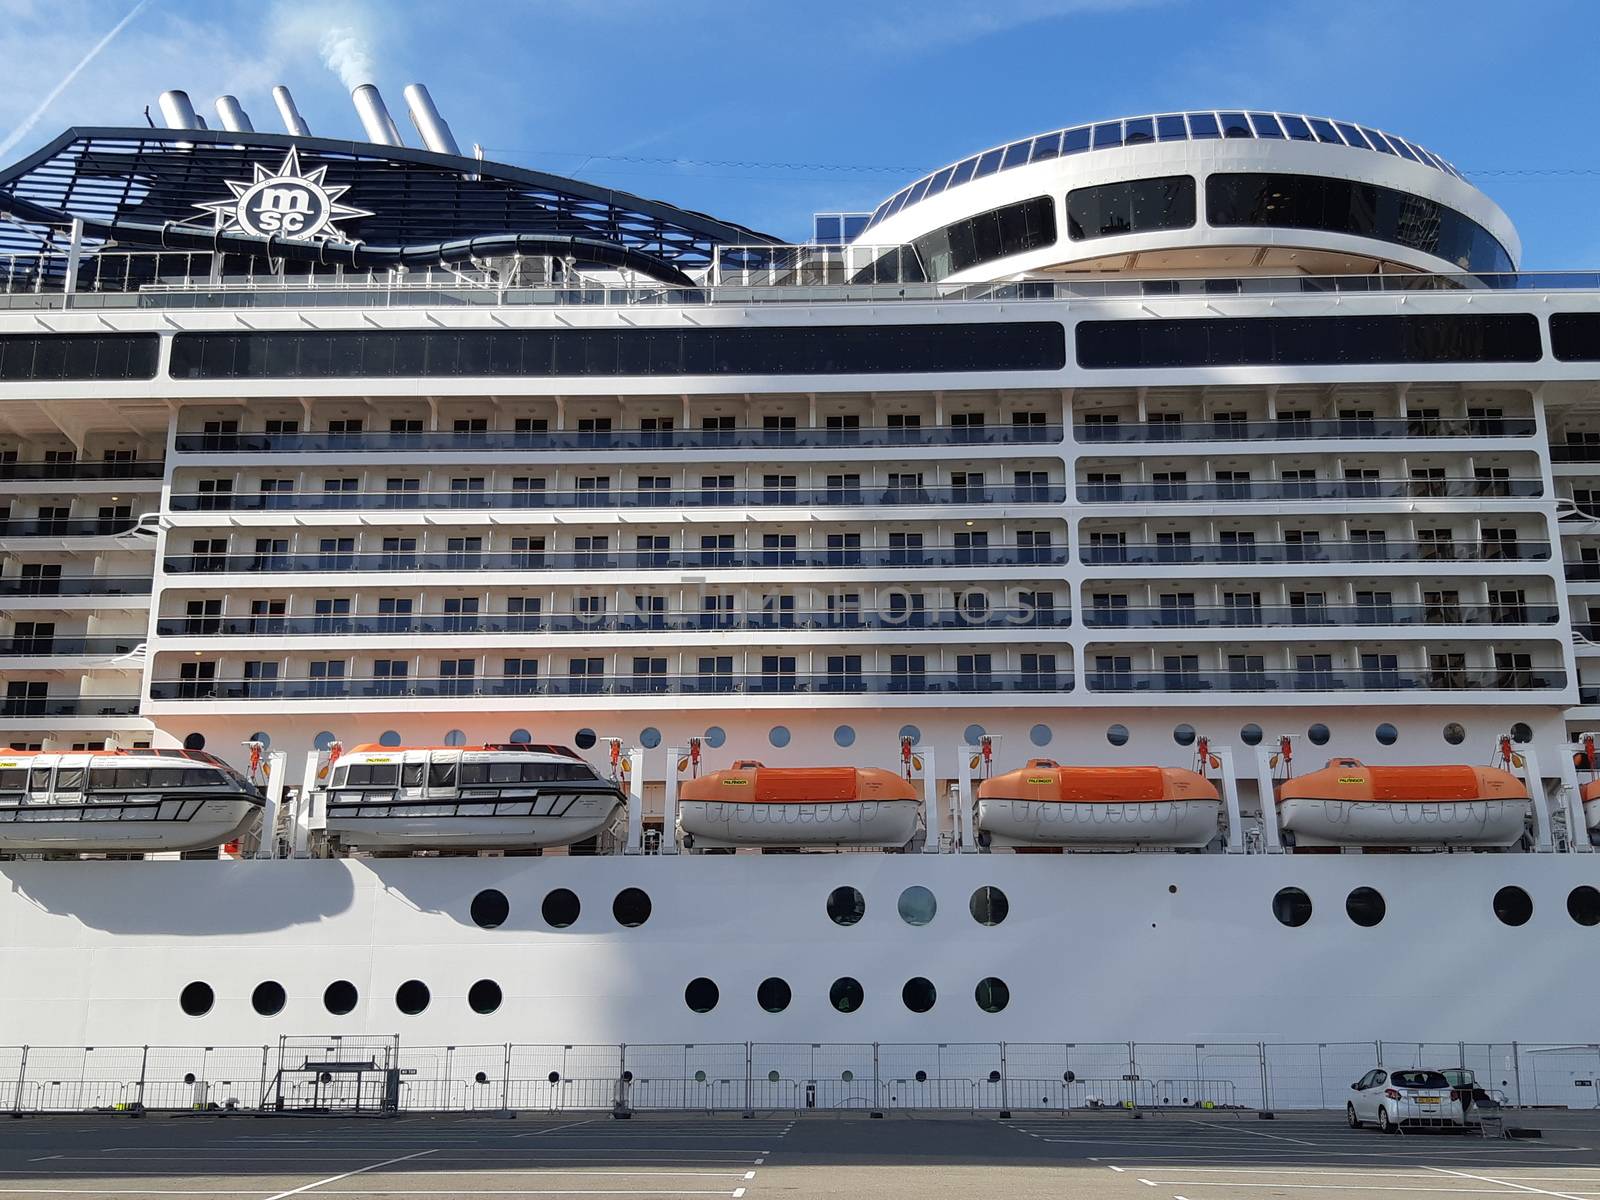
{"x": 287, "y": 203}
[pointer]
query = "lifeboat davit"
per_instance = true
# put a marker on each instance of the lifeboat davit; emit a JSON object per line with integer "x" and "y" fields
{"x": 753, "y": 805}
{"x": 121, "y": 801}
{"x": 463, "y": 798}
{"x": 1046, "y": 804}
{"x": 1348, "y": 803}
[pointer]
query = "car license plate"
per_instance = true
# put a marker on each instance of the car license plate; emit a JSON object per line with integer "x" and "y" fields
{"x": 1427, "y": 1099}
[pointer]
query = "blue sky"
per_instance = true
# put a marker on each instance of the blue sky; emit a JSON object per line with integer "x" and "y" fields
{"x": 766, "y": 112}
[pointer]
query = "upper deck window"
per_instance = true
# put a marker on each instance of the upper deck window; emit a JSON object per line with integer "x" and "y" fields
{"x": 77, "y": 356}
{"x": 1135, "y": 206}
{"x": 998, "y": 233}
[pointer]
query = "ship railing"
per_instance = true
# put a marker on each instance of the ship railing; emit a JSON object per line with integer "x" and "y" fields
{"x": 751, "y": 274}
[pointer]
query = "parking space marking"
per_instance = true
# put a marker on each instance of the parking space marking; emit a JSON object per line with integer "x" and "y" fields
{"x": 1520, "y": 1187}
{"x": 358, "y": 1171}
{"x": 1253, "y": 1133}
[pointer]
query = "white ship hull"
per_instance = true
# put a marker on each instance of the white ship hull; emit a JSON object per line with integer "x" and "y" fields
{"x": 189, "y": 824}
{"x": 1183, "y": 948}
{"x": 1174, "y": 823}
{"x": 1460, "y": 823}
{"x": 847, "y": 823}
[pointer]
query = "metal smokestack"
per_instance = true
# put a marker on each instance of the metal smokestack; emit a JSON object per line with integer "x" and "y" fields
{"x": 375, "y": 118}
{"x": 234, "y": 119}
{"x": 436, "y": 135}
{"x": 177, "y": 111}
{"x": 293, "y": 122}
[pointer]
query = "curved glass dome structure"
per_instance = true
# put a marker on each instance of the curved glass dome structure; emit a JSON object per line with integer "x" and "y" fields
{"x": 1201, "y": 125}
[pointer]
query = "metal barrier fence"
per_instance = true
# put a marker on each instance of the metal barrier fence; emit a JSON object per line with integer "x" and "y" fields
{"x": 754, "y": 1076}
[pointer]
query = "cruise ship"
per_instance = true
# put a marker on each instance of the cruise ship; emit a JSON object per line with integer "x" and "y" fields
{"x": 1137, "y": 582}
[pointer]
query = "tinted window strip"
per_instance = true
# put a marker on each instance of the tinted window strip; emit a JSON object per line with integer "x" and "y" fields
{"x": 78, "y": 356}
{"x": 1308, "y": 341}
{"x": 1282, "y": 201}
{"x": 823, "y": 350}
{"x": 1575, "y": 337}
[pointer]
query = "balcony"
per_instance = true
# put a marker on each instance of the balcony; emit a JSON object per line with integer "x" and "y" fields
{"x": 499, "y": 440}
{"x": 615, "y": 560}
{"x": 24, "y": 472}
{"x": 57, "y": 528}
{"x": 1314, "y": 489}
{"x": 1185, "y": 553}
{"x": 70, "y": 706}
{"x": 1575, "y": 452}
{"x": 708, "y": 684}
{"x": 68, "y": 647}
{"x": 1583, "y": 572}
{"x": 1326, "y": 681}
{"x": 1336, "y": 428}
{"x": 75, "y": 585}
{"x": 606, "y": 498}
{"x": 581, "y": 623}
{"x": 1271, "y": 616}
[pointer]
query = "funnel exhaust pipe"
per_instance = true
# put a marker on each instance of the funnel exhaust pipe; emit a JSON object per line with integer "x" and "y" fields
{"x": 375, "y": 118}
{"x": 293, "y": 122}
{"x": 233, "y": 117}
{"x": 178, "y": 112}
{"x": 431, "y": 127}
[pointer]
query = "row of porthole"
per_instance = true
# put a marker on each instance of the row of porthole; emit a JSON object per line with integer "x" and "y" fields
{"x": 1366, "y": 906}
{"x": 484, "y": 997}
{"x": 339, "y": 997}
{"x": 584, "y": 739}
{"x": 1318, "y": 734}
{"x": 631, "y": 907}
{"x": 847, "y": 995}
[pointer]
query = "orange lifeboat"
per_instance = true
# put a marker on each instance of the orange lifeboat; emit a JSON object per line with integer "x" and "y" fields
{"x": 1348, "y": 803}
{"x": 1591, "y": 803}
{"x": 752, "y": 805}
{"x": 1046, "y": 804}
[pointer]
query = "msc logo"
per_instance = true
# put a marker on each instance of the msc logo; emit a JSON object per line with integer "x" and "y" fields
{"x": 286, "y": 203}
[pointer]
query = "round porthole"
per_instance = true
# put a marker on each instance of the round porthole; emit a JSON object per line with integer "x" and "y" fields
{"x": 974, "y": 734}
{"x": 701, "y": 995}
{"x": 992, "y": 994}
{"x": 340, "y": 997}
{"x": 714, "y": 736}
{"x": 389, "y": 737}
{"x": 1455, "y": 733}
{"x": 778, "y": 735}
{"x": 490, "y": 908}
{"x": 584, "y": 739}
{"x": 560, "y": 908}
{"x": 1040, "y": 735}
{"x": 650, "y": 737}
{"x": 484, "y": 996}
{"x": 1522, "y": 732}
{"x": 1513, "y": 906}
{"x": 521, "y": 737}
{"x": 195, "y": 741}
{"x": 264, "y": 738}
{"x": 844, "y": 736}
{"x": 912, "y": 732}
{"x": 846, "y": 906}
{"x": 269, "y": 998}
{"x": 1365, "y": 906}
{"x": 917, "y": 905}
{"x": 921, "y": 1077}
{"x": 1183, "y": 735}
{"x": 989, "y": 906}
{"x": 197, "y": 998}
{"x": 918, "y": 994}
{"x": 846, "y": 994}
{"x": 1292, "y": 907}
{"x": 1117, "y": 735}
{"x": 323, "y": 740}
{"x": 1318, "y": 734}
{"x": 455, "y": 737}
{"x": 1583, "y": 905}
{"x": 412, "y": 997}
{"x": 631, "y": 908}
{"x": 1386, "y": 734}
{"x": 773, "y": 995}
{"x": 1250, "y": 734}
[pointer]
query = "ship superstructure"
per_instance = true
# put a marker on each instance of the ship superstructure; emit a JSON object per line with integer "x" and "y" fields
{"x": 1186, "y": 432}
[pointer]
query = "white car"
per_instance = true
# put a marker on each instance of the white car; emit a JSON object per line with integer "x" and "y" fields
{"x": 1394, "y": 1100}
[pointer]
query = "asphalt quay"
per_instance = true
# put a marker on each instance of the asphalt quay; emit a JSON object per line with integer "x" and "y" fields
{"x": 904, "y": 1156}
